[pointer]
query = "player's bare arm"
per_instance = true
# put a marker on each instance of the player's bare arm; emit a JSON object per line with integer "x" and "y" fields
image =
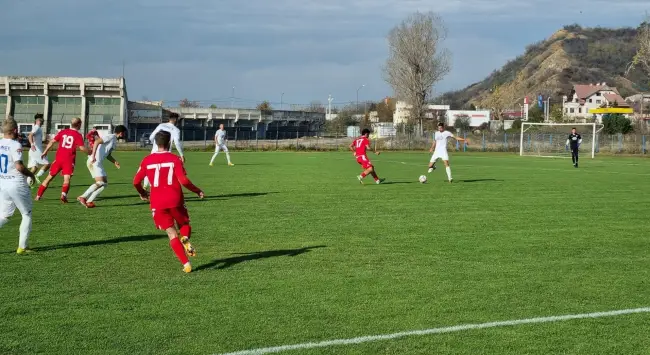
{"x": 460, "y": 139}
{"x": 112, "y": 160}
{"x": 30, "y": 138}
{"x": 47, "y": 149}
{"x": 433, "y": 146}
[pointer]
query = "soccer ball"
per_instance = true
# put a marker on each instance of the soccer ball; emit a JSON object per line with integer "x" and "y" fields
{"x": 30, "y": 181}
{"x": 423, "y": 179}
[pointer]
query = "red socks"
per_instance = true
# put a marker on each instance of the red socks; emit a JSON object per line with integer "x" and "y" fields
{"x": 41, "y": 191}
{"x": 65, "y": 189}
{"x": 179, "y": 250}
{"x": 363, "y": 174}
{"x": 186, "y": 231}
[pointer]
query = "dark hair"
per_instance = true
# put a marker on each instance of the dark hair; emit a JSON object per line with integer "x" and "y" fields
{"x": 163, "y": 139}
{"x": 365, "y": 131}
{"x": 38, "y": 116}
{"x": 173, "y": 116}
{"x": 441, "y": 124}
{"x": 573, "y": 128}
{"x": 120, "y": 129}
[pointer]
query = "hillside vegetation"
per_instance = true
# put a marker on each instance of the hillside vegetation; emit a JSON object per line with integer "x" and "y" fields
{"x": 572, "y": 55}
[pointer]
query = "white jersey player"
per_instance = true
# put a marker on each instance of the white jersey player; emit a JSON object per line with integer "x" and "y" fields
{"x": 439, "y": 149}
{"x": 36, "y": 151}
{"x": 14, "y": 188}
{"x": 220, "y": 144}
{"x": 175, "y": 138}
{"x": 102, "y": 149}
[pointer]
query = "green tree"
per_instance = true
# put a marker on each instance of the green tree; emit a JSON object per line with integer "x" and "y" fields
{"x": 557, "y": 115}
{"x": 614, "y": 123}
{"x": 213, "y": 106}
{"x": 535, "y": 114}
{"x": 462, "y": 123}
{"x": 516, "y": 125}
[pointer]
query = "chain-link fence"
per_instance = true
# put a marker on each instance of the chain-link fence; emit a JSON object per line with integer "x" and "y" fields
{"x": 203, "y": 139}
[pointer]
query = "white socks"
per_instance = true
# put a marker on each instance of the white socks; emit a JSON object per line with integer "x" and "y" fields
{"x": 430, "y": 170}
{"x": 214, "y": 156}
{"x": 90, "y": 190}
{"x": 40, "y": 173}
{"x": 94, "y": 195}
{"x": 448, "y": 169}
{"x": 25, "y": 229}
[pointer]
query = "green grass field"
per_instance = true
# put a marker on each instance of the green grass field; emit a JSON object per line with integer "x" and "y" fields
{"x": 292, "y": 249}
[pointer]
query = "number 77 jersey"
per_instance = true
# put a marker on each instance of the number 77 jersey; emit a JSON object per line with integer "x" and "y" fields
{"x": 165, "y": 171}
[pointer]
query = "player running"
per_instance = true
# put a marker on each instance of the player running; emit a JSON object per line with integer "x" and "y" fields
{"x": 69, "y": 141}
{"x": 167, "y": 174}
{"x": 359, "y": 146}
{"x": 175, "y": 139}
{"x": 220, "y": 144}
{"x": 36, "y": 159}
{"x": 575, "y": 139}
{"x": 14, "y": 189}
{"x": 103, "y": 146}
{"x": 439, "y": 149}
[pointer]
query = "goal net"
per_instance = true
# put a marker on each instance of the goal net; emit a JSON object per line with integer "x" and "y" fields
{"x": 549, "y": 139}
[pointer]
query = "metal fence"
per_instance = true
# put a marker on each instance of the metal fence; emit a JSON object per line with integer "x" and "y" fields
{"x": 322, "y": 141}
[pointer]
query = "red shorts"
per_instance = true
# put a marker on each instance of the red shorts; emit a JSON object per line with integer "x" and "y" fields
{"x": 364, "y": 161}
{"x": 62, "y": 166}
{"x": 165, "y": 218}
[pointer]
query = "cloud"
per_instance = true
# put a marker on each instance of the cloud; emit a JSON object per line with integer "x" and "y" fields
{"x": 304, "y": 48}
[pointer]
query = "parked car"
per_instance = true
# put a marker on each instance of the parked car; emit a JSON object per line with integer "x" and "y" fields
{"x": 23, "y": 140}
{"x": 144, "y": 140}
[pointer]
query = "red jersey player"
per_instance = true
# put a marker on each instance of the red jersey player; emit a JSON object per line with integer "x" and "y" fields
{"x": 359, "y": 146}
{"x": 166, "y": 175}
{"x": 91, "y": 136}
{"x": 69, "y": 141}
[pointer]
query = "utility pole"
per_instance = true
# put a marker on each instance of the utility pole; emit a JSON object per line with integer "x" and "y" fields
{"x": 232, "y": 98}
{"x": 281, "y": 101}
{"x": 358, "y": 96}
{"x": 329, "y": 106}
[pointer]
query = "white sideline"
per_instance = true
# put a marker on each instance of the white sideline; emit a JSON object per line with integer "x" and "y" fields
{"x": 457, "y": 328}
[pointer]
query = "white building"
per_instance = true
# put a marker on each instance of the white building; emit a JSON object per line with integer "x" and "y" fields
{"x": 403, "y": 111}
{"x": 96, "y": 101}
{"x": 585, "y": 97}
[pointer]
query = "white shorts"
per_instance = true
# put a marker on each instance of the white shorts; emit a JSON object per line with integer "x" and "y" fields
{"x": 96, "y": 169}
{"x": 36, "y": 160}
{"x": 15, "y": 196}
{"x": 221, "y": 146}
{"x": 439, "y": 155}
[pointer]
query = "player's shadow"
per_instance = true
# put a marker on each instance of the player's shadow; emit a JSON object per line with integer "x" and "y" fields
{"x": 398, "y": 182}
{"x": 478, "y": 180}
{"x": 227, "y": 196}
{"x": 90, "y": 243}
{"x": 117, "y": 197}
{"x": 244, "y": 257}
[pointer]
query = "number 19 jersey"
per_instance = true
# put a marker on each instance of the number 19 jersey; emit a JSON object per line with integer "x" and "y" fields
{"x": 69, "y": 141}
{"x": 163, "y": 170}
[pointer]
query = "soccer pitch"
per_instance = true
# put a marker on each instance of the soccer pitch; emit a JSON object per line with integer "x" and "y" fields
{"x": 293, "y": 250}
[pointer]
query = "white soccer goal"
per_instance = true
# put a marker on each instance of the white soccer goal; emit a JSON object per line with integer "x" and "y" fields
{"x": 549, "y": 139}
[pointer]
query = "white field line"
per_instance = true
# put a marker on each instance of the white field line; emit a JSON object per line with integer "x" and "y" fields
{"x": 452, "y": 329}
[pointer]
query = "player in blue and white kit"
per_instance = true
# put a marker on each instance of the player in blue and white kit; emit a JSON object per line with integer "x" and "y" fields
{"x": 439, "y": 149}
{"x": 220, "y": 144}
{"x": 14, "y": 186}
{"x": 175, "y": 138}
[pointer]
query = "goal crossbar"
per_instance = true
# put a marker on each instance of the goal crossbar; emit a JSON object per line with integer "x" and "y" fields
{"x": 525, "y": 126}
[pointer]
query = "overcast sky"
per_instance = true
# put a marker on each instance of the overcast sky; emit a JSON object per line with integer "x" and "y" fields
{"x": 306, "y": 49}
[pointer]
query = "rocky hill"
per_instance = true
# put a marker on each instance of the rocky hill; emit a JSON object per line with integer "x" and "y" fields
{"x": 572, "y": 55}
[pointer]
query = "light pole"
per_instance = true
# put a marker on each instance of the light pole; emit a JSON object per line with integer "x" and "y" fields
{"x": 329, "y": 106}
{"x": 281, "y": 101}
{"x": 232, "y": 98}
{"x": 358, "y": 96}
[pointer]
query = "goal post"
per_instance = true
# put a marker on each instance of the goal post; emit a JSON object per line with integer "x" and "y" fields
{"x": 549, "y": 139}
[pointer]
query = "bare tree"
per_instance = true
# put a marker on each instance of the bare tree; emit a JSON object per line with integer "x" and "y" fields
{"x": 417, "y": 60}
{"x": 642, "y": 57}
{"x": 502, "y": 98}
{"x": 187, "y": 103}
{"x": 316, "y": 106}
{"x": 264, "y": 106}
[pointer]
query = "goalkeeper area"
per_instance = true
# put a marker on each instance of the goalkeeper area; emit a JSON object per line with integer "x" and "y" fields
{"x": 549, "y": 139}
